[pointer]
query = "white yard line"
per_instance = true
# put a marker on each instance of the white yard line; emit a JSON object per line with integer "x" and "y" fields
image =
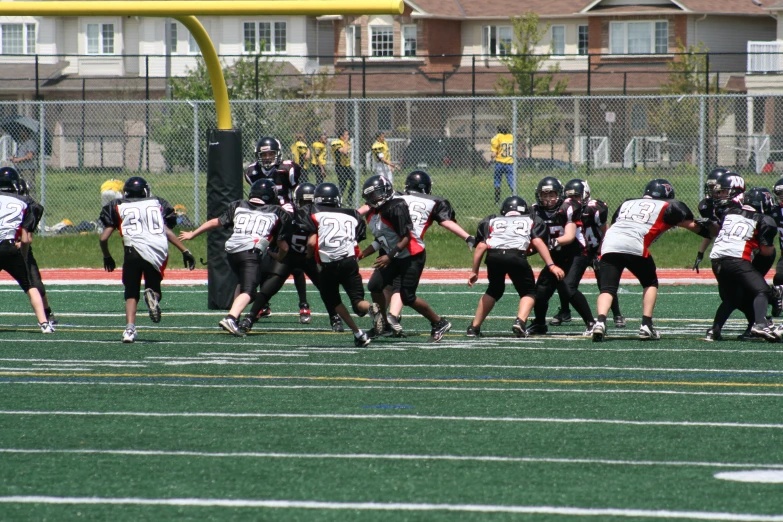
{"x": 396, "y": 506}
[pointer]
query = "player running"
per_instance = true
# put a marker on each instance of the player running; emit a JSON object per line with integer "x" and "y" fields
{"x": 505, "y": 239}
{"x": 143, "y": 221}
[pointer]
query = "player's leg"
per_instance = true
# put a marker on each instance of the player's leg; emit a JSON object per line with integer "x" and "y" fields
{"x": 643, "y": 268}
{"x": 611, "y": 267}
{"x": 395, "y": 307}
{"x": 13, "y": 262}
{"x": 351, "y": 280}
{"x": 273, "y": 275}
{"x": 524, "y": 282}
{"x": 563, "y": 315}
{"x": 496, "y": 275}
{"x": 152, "y": 290}
{"x": 575, "y": 270}
{"x": 545, "y": 287}
{"x": 301, "y": 290}
{"x": 132, "y": 272}
{"x": 410, "y": 274}
{"x": 310, "y": 269}
{"x": 245, "y": 266}
{"x": 37, "y": 282}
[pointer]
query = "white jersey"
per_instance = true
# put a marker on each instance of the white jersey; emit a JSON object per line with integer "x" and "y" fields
{"x": 508, "y": 233}
{"x": 14, "y": 214}
{"x": 142, "y": 227}
{"x": 424, "y": 209}
{"x": 338, "y": 231}
{"x": 741, "y": 234}
{"x": 639, "y": 222}
{"x": 252, "y": 225}
{"x": 383, "y": 169}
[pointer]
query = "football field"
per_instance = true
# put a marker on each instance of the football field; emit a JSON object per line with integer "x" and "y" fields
{"x": 295, "y": 423}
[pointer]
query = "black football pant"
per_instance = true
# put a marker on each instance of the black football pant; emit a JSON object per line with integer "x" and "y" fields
{"x": 514, "y": 264}
{"x": 134, "y": 267}
{"x": 740, "y": 285}
{"x": 564, "y": 295}
{"x": 345, "y": 273}
{"x": 547, "y": 283}
{"x": 13, "y": 262}
{"x": 35, "y": 273}
{"x": 762, "y": 265}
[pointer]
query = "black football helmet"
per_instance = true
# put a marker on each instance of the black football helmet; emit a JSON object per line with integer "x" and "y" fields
{"x": 269, "y": 153}
{"x": 761, "y": 200}
{"x": 327, "y": 194}
{"x": 728, "y": 186}
{"x": 136, "y": 187}
{"x": 549, "y": 184}
{"x": 659, "y": 189}
{"x": 24, "y": 190}
{"x": 514, "y": 204}
{"x": 712, "y": 178}
{"x": 778, "y": 189}
{"x": 377, "y": 190}
{"x": 418, "y": 181}
{"x": 578, "y": 187}
{"x": 9, "y": 180}
{"x": 263, "y": 192}
{"x": 303, "y": 194}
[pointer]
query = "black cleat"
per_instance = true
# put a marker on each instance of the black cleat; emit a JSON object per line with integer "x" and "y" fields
{"x": 152, "y": 300}
{"x": 245, "y": 325}
{"x": 230, "y": 325}
{"x": 519, "y": 328}
{"x": 337, "y": 323}
{"x": 264, "y": 312}
{"x": 474, "y": 331}
{"x": 562, "y": 316}
{"x": 713, "y": 334}
{"x": 619, "y": 321}
{"x": 537, "y": 329}
{"x": 439, "y": 329}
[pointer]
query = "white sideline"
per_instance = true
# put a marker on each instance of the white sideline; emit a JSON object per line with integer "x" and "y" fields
{"x": 390, "y": 456}
{"x": 395, "y": 506}
{"x": 413, "y": 417}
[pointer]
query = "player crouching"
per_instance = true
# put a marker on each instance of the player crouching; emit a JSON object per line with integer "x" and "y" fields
{"x": 143, "y": 221}
{"x": 333, "y": 238}
{"x": 505, "y": 239}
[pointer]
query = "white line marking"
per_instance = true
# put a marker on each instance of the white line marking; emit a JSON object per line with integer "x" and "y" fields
{"x": 389, "y": 456}
{"x": 395, "y": 506}
{"x": 400, "y": 387}
{"x": 339, "y": 416}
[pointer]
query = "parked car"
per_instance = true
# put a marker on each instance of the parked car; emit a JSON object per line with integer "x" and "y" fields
{"x": 429, "y": 151}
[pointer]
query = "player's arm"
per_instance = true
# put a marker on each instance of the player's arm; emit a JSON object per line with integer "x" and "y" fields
{"x": 284, "y": 231}
{"x": 700, "y": 254}
{"x": 568, "y": 236}
{"x": 208, "y": 225}
{"x": 478, "y": 255}
{"x": 400, "y": 220}
{"x": 187, "y": 258}
{"x": 108, "y": 262}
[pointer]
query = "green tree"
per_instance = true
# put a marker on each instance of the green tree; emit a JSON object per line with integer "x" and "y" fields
{"x": 539, "y": 120}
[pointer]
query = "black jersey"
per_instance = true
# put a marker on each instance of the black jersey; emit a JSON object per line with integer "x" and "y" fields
{"x": 338, "y": 231}
{"x": 37, "y": 211}
{"x": 286, "y": 176}
{"x": 706, "y": 209}
{"x": 778, "y": 217}
{"x": 556, "y": 221}
{"x": 391, "y": 222}
{"x": 592, "y": 218}
{"x": 254, "y": 226}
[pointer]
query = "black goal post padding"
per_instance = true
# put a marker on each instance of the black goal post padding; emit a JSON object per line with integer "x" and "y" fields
{"x": 224, "y": 185}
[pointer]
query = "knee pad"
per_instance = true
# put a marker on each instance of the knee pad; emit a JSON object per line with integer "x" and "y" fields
{"x": 376, "y": 283}
{"x": 408, "y": 297}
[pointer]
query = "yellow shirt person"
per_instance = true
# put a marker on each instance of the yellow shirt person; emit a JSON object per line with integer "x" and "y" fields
{"x": 300, "y": 152}
{"x": 318, "y": 158}
{"x": 381, "y": 162}
{"x": 502, "y": 148}
{"x": 341, "y": 157}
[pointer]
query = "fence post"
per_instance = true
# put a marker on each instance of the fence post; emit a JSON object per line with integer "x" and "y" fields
{"x": 355, "y": 150}
{"x": 41, "y": 161}
{"x": 364, "y": 76}
{"x": 702, "y": 137}
{"x": 147, "y": 113}
{"x": 514, "y": 189}
{"x": 196, "y": 161}
{"x": 37, "y": 90}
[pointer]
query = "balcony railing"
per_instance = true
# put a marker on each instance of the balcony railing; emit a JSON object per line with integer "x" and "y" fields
{"x": 765, "y": 57}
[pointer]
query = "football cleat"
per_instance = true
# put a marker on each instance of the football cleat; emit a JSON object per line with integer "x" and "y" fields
{"x": 378, "y": 324}
{"x": 562, "y": 316}
{"x": 230, "y": 325}
{"x": 129, "y": 335}
{"x": 474, "y": 331}
{"x": 152, "y": 300}
{"x": 537, "y": 329}
{"x": 439, "y": 329}
{"x": 747, "y": 336}
{"x": 588, "y": 329}
{"x": 264, "y": 312}
{"x": 713, "y": 334}
{"x": 394, "y": 323}
{"x": 362, "y": 340}
{"x": 619, "y": 321}
{"x": 763, "y": 331}
{"x": 648, "y": 333}
{"x": 519, "y": 328}
{"x": 599, "y": 332}
{"x": 46, "y": 327}
{"x": 777, "y": 303}
{"x": 304, "y": 313}
{"x": 245, "y": 325}
{"x": 337, "y": 323}
{"x": 53, "y": 320}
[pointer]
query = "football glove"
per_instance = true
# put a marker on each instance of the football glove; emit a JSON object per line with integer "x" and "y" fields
{"x": 699, "y": 258}
{"x": 108, "y": 264}
{"x": 554, "y": 244}
{"x": 190, "y": 261}
{"x": 471, "y": 241}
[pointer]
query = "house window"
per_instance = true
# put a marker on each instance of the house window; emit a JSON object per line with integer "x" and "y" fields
{"x": 100, "y": 38}
{"x": 265, "y": 37}
{"x": 409, "y": 40}
{"x": 192, "y": 44}
{"x": 384, "y": 118}
{"x": 638, "y": 37}
{"x": 381, "y": 40}
{"x": 582, "y": 48}
{"x": 558, "y": 40}
{"x": 353, "y": 40}
{"x": 496, "y": 40}
{"x": 173, "y": 37}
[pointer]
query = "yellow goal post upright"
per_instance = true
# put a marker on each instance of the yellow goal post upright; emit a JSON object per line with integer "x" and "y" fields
{"x": 224, "y": 144}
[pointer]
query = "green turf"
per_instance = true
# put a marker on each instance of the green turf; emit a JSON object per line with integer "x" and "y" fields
{"x": 296, "y": 412}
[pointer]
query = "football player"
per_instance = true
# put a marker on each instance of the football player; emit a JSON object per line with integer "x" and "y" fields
{"x": 744, "y": 230}
{"x": 560, "y": 217}
{"x": 333, "y": 240}
{"x": 636, "y": 224}
{"x": 144, "y": 222}
{"x": 591, "y": 227}
{"x": 346, "y": 176}
{"x": 707, "y": 210}
{"x": 256, "y": 223}
{"x": 390, "y": 223}
{"x": 286, "y": 175}
{"x": 16, "y": 236}
{"x": 296, "y": 260}
{"x": 424, "y": 209}
{"x": 35, "y": 273}
{"x": 505, "y": 239}
{"x": 778, "y": 217}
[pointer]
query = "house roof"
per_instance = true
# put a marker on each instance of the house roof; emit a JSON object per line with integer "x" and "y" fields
{"x": 775, "y": 6}
{"x": 463, "y": 9}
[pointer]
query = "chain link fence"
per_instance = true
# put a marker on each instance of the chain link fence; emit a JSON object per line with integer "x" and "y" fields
{"x": 616, "y": 143}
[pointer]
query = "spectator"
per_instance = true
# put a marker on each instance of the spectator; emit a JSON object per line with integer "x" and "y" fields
{"x": 26, "y": 159}
{"x": 300, "y": 153}
{"x": 502, "y": 150}
{"x": 341, "y": 150}
{"x": 319, "y": 159}
{"x": 381, "y": 162}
